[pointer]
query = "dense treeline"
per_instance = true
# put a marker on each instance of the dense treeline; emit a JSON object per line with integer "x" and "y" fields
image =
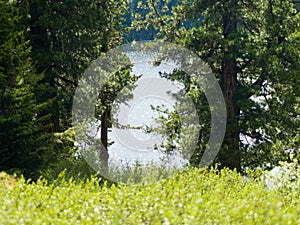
{"x": 45, "y": 47}
{"x": 251, "y": 46}
{"x": 23, "y": 136}
{"x": 253, "y": 49}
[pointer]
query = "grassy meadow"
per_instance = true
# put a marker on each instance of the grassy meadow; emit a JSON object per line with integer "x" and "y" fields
{"x": 196, "y": 196}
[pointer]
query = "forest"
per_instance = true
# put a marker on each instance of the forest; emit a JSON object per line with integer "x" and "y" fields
{"x": 252, "y": 49}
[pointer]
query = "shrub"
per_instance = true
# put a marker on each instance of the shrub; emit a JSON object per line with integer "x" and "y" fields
{"x": 196, "y": 196}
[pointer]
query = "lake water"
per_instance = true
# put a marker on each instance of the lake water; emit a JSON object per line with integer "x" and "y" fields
{"x": 131, "y": 145}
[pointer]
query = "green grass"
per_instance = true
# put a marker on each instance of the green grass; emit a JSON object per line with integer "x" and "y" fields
{"x": 191, "y": 197}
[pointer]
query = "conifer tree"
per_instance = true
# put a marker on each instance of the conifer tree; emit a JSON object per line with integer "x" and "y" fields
{"x": 253, "y": 49}
{"x": 23, "y": 142}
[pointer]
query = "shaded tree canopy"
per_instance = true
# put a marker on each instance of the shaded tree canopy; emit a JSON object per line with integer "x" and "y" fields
{"x": 251, "y": 46}
{"x": 22, "y": 133}
{"x": 253, "y": 49}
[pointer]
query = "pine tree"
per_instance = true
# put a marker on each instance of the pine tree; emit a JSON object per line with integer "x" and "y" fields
{"x": 22, "y": 138}
{"x": 253, "y": 49}
{"x": 66, "y": 36}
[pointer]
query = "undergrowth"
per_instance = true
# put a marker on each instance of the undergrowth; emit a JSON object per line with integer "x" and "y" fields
{"x": 195, "y": 196}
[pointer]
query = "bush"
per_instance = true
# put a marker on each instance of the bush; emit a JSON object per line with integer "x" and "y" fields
{"x": 283, "y": 177}
{"x": 196, "y": 196}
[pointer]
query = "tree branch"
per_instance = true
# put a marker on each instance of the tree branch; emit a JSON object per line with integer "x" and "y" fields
{"x": 73, "y": 83}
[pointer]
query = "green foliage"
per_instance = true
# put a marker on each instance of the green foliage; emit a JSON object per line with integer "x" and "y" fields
{"x": 138, "y": 12}
{"x": 285, "y": 177}
{"x": 171, "y": 122}
{"x": 67, "y": 159}
{"x": 71, "y": 167}
{"x": 257, "y": 40}
{"x": 253, "y": 49}
{"x": 66, "y": 36}
{"x": 116, "y": 90}
{"x": 22, "y": 136}
{"x": 7, "y": 180}
{"x": 191, "y": 197}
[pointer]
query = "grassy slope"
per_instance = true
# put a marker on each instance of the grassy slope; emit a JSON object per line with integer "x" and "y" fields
{"x": 193, "y": 197}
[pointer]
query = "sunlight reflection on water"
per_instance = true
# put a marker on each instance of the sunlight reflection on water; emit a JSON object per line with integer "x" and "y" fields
{"x": 136, "y": 144}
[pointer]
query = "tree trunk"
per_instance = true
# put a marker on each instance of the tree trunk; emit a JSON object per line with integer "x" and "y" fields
{"x": 230, "y": 155}
{"x": 104, "y": 138}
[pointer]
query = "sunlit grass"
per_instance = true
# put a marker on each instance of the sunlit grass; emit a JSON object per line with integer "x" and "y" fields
{"x": 195, "y": 196}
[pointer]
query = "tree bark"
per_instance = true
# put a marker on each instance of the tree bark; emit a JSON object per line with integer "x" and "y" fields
{"x": 230, "y": 155}
{"x": 104, "y": 138}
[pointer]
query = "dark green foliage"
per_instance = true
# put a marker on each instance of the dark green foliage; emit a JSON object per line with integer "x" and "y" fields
{"x": 138, "y": 11}
{"x": 171, "y": 123}
{"x": 22, "y": 137}
{"x": 253, "y": 49}
{"x": 66, "y": 36}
